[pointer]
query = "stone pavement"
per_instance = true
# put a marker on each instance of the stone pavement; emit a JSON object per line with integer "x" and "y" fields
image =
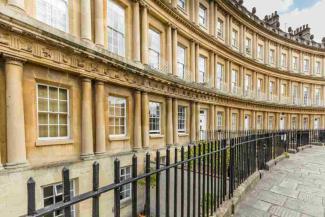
{"x": 294, "y": 187}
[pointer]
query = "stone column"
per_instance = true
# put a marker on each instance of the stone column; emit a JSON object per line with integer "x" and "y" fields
{"x": 169, "y": 45}
{"x": 175, "y": 121}
{"x": 300, "y": 121}
{"x": 136, "y": 31}
{"x": 169, "y": 128}
{"x": 192, "y": 63}
{"x": 301, "y": 68}
{"x": 227, "y": 118}
{"x": 99, "y": 23}
{"x": 197, "y": 120}
{"x": 85, "y": 20}
{"x": 196, "y": 11}
{"x": 290, "y": 60}
{"x": 267, "y": 52}
{"x": 137, "y": 121}
{"x": 211, "y": 70}
{"x": 87, "y": 148}
{"x": 212, "y": 18}
{"x": 174, "y": 56}
{"x": 211, "y": 121}
{"x": 228, "y": 71}
{"x": 193, "y": 122}
{"x": 16, "y": 149}
{"x": 144, "y": 34}
{"x": 266, "y": 120}
{"x": 241, "y": 119}
{"x": 20, "y": 4}
{"x": 254, "y": 45}
{"x": 100, "y": 119}
{"x": 242, "y": 39}
{"x": 197, "y": 55}
{"x": 288, "y": 121}
{"x": 278, "y": 56}
{"x": 145, "y": 120}
{"x": 254, "y": 120}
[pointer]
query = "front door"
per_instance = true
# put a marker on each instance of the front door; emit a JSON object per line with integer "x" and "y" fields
{"x": 203, "y": 124}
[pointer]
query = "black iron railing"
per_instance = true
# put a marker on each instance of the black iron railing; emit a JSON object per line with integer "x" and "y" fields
{"x": 207, "y": 174}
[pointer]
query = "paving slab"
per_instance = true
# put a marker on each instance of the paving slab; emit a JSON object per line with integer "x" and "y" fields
{"x": 293, "y": 188}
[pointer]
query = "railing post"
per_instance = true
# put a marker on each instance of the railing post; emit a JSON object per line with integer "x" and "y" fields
{"x": 158, "y": 185}
{"x": 95, "y": 188}
{"x": 134, "y": 186}
{"x": 147, "y": 205}
{"x": 31, "y": 205}
{"x": 167, "y": 181}
{"x": 117, "y": 190}
{"x": 66, "y": 190}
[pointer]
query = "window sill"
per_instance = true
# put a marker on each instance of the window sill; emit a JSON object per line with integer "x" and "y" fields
{"x": 183, "y": 134}
{"x": 156, "y": 136}
{"x": 53, "y": 142}
{"x": 118, "y": 138}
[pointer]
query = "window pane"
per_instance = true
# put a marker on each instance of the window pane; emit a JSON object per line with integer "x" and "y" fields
{"x": 43, "y": 131}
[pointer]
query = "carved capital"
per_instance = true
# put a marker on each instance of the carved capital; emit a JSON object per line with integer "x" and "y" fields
{"x": 10, "y": 59}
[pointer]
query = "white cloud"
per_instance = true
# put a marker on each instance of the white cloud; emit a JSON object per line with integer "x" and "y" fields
{"x": 314, "y": 15}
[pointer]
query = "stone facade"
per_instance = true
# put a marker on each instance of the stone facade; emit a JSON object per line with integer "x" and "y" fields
{"x": 78, "y": 60}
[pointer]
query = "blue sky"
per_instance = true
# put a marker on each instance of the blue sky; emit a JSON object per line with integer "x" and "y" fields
{"x": 294, "y": 13}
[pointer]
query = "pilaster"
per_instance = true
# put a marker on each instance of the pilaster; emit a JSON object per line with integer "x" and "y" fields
{"x": 145, "y": 120}
{"x": 169, "y": 122}
{"x": 16, "y": 148}
{"x": 193, "y": 122}
{"x": 136, "y": 31}
{"x": 99, "y": 23}
{"x": 85, "y": 20}
{"x": 137, "y": 134}
{"x": 175, "y": 120}
{"x": 174, "y": 49}
{"x": 100, "y": 118}
{"x": 86, "y": 120}
{"x": 144, "y": 34}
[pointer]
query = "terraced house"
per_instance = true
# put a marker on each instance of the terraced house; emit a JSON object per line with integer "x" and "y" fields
{"x": 85, "y": 80}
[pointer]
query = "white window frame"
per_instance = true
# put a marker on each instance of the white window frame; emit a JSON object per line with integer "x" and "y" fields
{"x": 115, "y": 99}
{"x": 248, "y": 46}
{"x": 128, "y": 187}
{"x": 234, "y": 121}
{"x": 270, "y": 122}
{"x": 56, "y": 194}
{"x": 219, "y": 76}
{"x": 49, "y": 112}
{"x": 306, "y": 65}
{"x": 259, "y": 86}
{"x": 318, "y": 96}
{"x": 318, "y": 67}
{"x": 115, "y": 30}
{"x": 295, "y": 94}
{"x": 234, "y": 81}
{"x": 219, "y": 120}
{"x": 156, "y": 118}
{"x": 271, "y": 56}
{"x": 202, "y": 69}
{"x": 260, "y": 51}
{"x": 154, "y": 63}
{"x": 234, "y": 37}
{"x": 51, "y": 22}
{"x": 306, "y": 95}
{"x": 202, "y": 17}
{"x": 181, "y": 119}
{"x": 295, "y": 63}
{"x": 181, "y": 62}
{"x": 220, "y": 28}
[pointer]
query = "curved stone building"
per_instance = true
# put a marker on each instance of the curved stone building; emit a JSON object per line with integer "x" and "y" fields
{"x": 85, "y": 80}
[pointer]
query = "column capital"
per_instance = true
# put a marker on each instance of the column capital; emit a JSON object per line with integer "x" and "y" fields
{"x": 85, "y": 79}
{"x": 99, "y": 82}
{"x": 14, "y": 59}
